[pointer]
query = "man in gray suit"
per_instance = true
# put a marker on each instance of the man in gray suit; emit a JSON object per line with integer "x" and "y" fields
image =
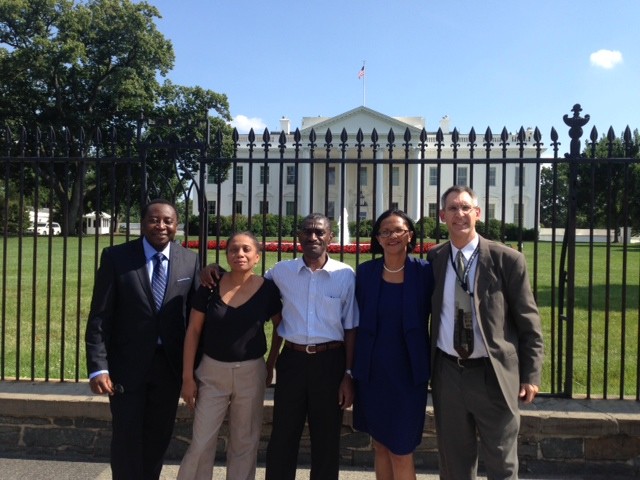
{"x": 497, "y": 360}
{"x": 135, "y": 337}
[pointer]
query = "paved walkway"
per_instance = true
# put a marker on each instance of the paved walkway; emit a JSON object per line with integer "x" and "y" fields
{"x": 35, "y": 469}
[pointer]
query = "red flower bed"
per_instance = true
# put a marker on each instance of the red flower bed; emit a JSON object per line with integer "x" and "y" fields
{"x": 287, "y": 247}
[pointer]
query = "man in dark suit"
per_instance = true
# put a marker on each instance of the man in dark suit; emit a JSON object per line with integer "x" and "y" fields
{"x": 477, "y": 382}
{"x": 135, "y": 337}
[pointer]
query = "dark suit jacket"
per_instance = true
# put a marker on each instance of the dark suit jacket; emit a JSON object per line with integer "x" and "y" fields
{"x": 506, "y": 311}
{"x": 124, "y": 326}
{"x": 416, "y": 307}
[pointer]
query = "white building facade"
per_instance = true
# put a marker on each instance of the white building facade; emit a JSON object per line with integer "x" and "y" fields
{"x": 372, "y": 179}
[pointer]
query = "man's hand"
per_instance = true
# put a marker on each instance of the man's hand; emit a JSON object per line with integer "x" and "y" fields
{"x": 270, "y": 369}
{"x": 345, "y": 392}
{"x": 101, "y": 384}
{"x": 528, "y": 392}
{"x": 210, "y": 275}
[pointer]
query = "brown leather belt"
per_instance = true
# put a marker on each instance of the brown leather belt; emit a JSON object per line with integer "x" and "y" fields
{"x": 313, "y": 348}
{"x": 464, "y": 362}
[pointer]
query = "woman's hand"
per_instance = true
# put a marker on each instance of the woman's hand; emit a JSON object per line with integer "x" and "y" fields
{"x": 189, "y": 392}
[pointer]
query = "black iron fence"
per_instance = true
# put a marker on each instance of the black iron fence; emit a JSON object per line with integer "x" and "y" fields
{"x": 65, "y": 196}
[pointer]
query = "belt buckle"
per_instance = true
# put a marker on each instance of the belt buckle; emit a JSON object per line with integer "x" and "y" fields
{"x": 310, "y": 352}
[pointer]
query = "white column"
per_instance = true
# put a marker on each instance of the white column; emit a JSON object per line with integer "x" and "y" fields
{"x": 381, "y": 206}
{"x": 304, "y": 172}
{"x": 415, "y": 188}
{"x": 344, "y": 207}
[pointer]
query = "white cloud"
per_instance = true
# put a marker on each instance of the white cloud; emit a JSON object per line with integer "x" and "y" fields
{"x": 244, "y": 124}
{"x": 606, "y": 58}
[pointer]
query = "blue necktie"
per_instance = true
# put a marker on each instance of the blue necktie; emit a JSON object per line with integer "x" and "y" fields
{"x": 158, "y": 279}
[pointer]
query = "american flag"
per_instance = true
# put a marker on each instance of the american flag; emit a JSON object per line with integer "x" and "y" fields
{"x": 361, "y": 72}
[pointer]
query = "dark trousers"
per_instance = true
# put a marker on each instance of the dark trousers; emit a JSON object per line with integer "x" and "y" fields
{"x": 306, "y": 389}
{"x": 142, "y": 423}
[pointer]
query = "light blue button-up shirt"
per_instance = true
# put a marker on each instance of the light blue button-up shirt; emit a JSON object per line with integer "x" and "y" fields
{"x": 317, "y": 306}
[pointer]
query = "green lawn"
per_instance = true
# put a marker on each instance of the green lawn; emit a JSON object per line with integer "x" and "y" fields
{"x": 42, "y": 319}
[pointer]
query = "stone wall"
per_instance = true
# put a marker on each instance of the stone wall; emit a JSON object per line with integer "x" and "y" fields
{"x": 557, "y": 435}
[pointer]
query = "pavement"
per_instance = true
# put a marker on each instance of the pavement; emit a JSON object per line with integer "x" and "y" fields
{"x": 42, "y": 469}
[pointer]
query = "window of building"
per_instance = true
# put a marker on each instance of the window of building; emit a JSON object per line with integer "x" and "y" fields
{"x": 433, "y": 176}
{"x": 290, "y": 208}
{"x": 238, "y": 209}
{"x": 291, "y": 175}
{"x": 491, "y": 214}
{"x": 492, "y": 176}
{"x": 462, "y": 176}
{"x": 517, "y": 179}
{"x": 331, "y": 175}
{"x": 264, "y": 207}
{"x": 395, "y": 176}
{"x": 516, "y": 213}
{"x": 211, "y": 207}
{"x": 331, "y": 210}
{"x": 433, "y": 210}
{"x": 210, "y": 174}
{"x": 239, "y": 175}
{"x": 364, "y": 178}
{"x": 264, "y": 175}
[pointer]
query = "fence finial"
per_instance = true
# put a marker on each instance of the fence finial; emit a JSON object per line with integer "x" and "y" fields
{"x": 575, "y": 123}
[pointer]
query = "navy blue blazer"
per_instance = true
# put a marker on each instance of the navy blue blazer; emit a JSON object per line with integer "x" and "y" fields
{"x": 416, "y": 303}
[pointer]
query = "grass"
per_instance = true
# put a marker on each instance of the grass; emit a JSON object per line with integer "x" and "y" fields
{"x": 43, "y": 323}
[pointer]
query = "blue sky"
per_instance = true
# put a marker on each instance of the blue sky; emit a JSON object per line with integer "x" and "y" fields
{"x": 484, "y": 64}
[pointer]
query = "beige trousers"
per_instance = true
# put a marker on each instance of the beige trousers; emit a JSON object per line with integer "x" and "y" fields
{"x": 236, "y": 387}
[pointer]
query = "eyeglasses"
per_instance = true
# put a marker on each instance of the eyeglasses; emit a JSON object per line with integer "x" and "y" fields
{"x": 465, "y": 209}
{"x": 389, "y": 233}
{"x": 307, "y": 232}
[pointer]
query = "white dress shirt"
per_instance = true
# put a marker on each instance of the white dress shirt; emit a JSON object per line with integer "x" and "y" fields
{"x": 447, "y": 317}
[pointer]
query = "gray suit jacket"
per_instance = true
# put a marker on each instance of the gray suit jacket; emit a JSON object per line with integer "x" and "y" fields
{"x": 506, "y": 310}
{"x": 124, "y": 325}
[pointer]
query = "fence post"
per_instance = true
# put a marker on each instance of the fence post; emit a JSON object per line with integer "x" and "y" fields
{"x": 575, "y": 124}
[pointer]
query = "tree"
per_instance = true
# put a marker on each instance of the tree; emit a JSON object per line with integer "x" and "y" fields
{"x": 601, "y": 185}
{"x": 553, "y": 201}
{"x": 85, "y": 67}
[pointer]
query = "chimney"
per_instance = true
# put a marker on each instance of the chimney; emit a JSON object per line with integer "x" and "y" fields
{"x": 285, "y": 125}
{"x": 444, "y": 124}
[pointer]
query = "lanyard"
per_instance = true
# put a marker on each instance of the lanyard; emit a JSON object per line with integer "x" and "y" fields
{"x": 464, "y": 278}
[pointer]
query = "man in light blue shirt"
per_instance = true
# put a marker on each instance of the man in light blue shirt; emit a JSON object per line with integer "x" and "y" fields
{"x": 314, "y": 383}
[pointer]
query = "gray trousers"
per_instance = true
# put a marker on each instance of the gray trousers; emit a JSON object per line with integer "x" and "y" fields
{"x": 470, "y": 408}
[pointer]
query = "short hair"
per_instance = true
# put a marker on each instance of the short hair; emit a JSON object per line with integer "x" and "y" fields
{"x": 249, "y": 234}
{"x": 458, "y": 189}
{"x": 315, "y": 217}
{"x": 375, "y": 244}
{"x": 156, "y": 201}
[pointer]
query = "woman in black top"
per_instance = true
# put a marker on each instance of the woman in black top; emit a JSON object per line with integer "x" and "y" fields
{"x": 232, "y": 374}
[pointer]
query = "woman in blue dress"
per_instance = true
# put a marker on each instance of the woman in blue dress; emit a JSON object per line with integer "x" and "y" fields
{"x": 391, "y": 364}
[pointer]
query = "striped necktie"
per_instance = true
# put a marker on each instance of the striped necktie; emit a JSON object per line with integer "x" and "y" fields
{"x": 158, "y": 279}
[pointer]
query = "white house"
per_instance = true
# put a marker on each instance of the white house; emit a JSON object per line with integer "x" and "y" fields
{"x": 358, "y": 179}
{"x": 93, "y": 224}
